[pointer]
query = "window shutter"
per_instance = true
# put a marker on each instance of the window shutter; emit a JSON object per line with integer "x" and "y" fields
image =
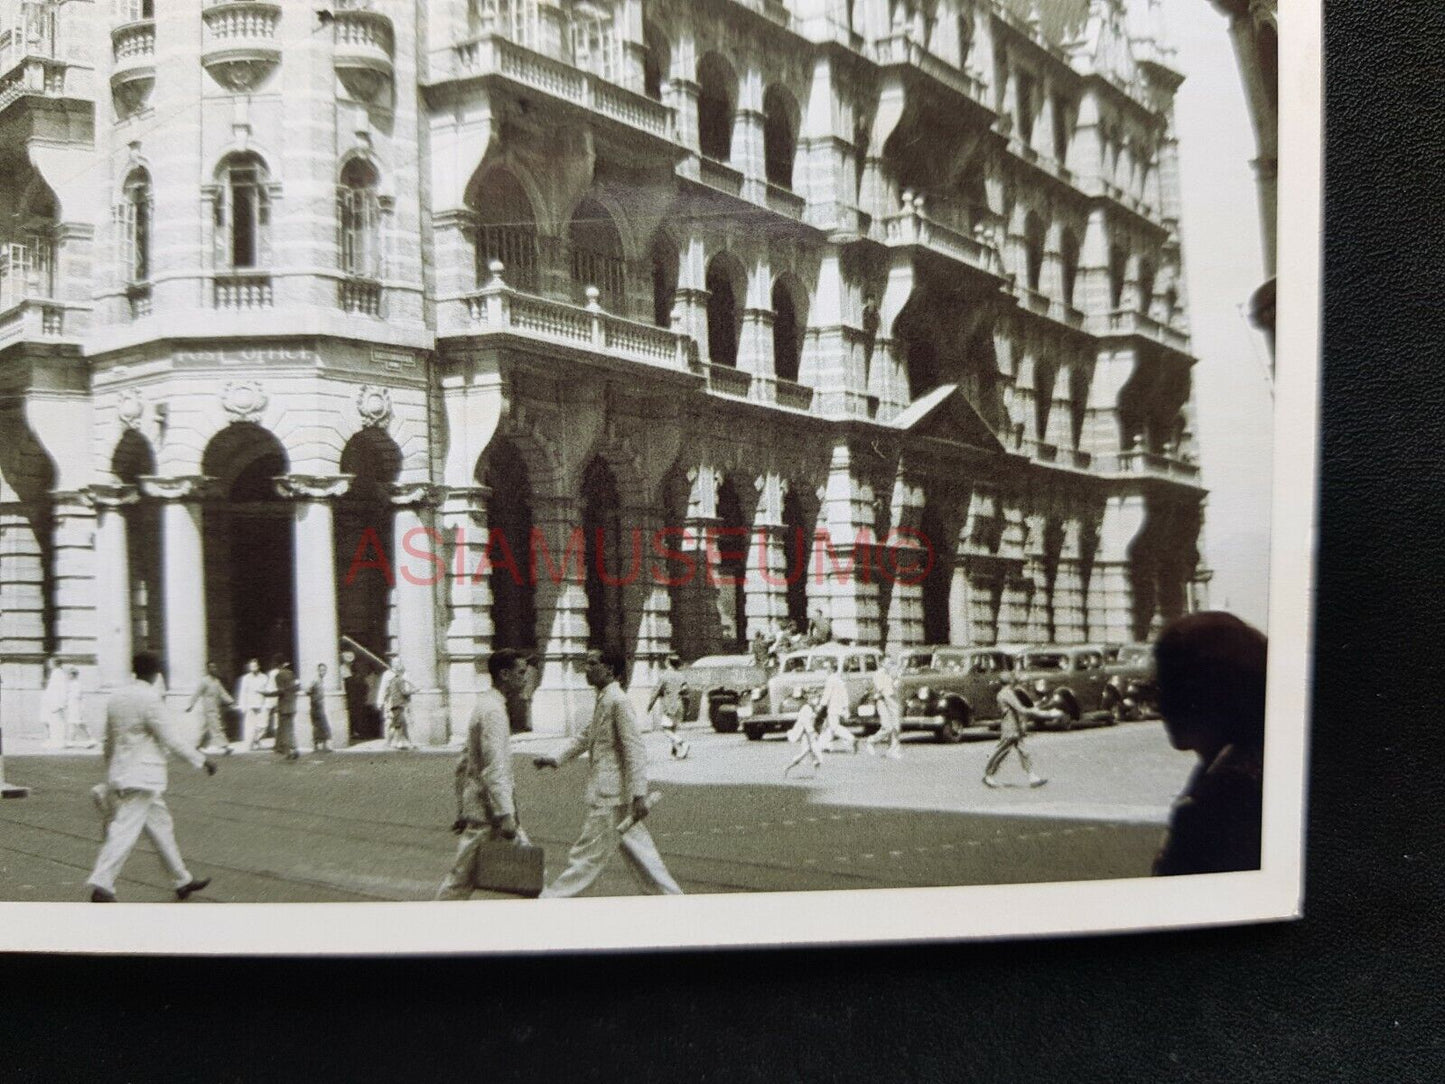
{"x": 220, "y": 229}
{"x": 263, "y": 225}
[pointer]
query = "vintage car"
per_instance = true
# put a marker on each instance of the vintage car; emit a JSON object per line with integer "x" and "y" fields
{"x": 950, "y": 690}
{"x": 717, "y": 683}
{"x": 775, "y": 706}
{"x": 1067, "y": 677}
{"x": 1130, "y": 691}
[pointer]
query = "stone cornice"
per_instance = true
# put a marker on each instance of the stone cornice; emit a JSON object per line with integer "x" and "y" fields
{"x": 110, "y": 498}
{"x": 416, "y": 494}
{"x": 313, "y": 487}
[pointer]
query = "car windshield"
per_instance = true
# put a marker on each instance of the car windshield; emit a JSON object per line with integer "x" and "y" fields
{"x": 796, "y": 664}
{"x": 1135, "y": 654}
{"x": 921, "y": 661}
{"x": 823, "y": 663}
{"x": 1046, "y": 661}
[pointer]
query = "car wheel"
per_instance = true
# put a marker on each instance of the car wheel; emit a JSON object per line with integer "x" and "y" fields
{"x": 955, "y": 722}
{"x": 1070, "y": 708}
{"x": 754, "y": 733}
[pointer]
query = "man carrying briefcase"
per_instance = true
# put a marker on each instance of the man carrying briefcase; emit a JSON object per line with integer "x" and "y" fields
{"x": 494, "y": 853}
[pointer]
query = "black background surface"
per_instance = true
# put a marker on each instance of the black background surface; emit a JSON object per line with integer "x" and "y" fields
{"x": 1352, "y": 992}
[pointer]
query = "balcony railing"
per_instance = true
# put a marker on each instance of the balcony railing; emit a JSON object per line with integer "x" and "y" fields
{"x": 243, "y": 292}
{"x": 899, "y": 49}
{"x": 911, "y": 226}
{"x": 794, "y": 396}
{"x": 134, "y": 43}
{"x": 491, "y": 54}
{"x": 240, "y": 22}
{"x": 1049, "y": 165}
{"x": 30, "y": 319}
{"x": 1129, "y": 322}
{"x": 725, "y": 380}
{"x": 785, "y": 201}
{"x": 1100, "y": 188}
{"x": 41, "y": 77}
{"x": 361, "y": 296}
{"x": 721, "y": 176}
{"x": 1152, "y": 464}
{"x": 498, "y": 309}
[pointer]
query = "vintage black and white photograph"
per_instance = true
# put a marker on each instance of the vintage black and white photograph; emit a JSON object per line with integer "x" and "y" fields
{"x": 517, "y": 450}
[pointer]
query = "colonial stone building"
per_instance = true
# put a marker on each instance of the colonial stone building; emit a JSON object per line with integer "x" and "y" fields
{"x": 305, "y": 309}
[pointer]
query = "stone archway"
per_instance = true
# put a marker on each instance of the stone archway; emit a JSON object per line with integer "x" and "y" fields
{"x": 132, "y": 460}
{"x": 509, "y": 538}
{"x": 249, "y": 555}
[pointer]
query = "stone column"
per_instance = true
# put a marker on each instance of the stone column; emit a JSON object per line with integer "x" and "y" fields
{"x": 563, "y": 698}
{"x": 469, "y": 627}
{"x": 647, "y": 599}
{"x": 414, "y": 541}
{"x": 183, "y": 595}
{"x": 1111, "y": 594}
{"x": 113, "y": 646}
{"x": 847, "y": 597}
{"x": 317, "y": 634}
{"x": 960, "y": 615}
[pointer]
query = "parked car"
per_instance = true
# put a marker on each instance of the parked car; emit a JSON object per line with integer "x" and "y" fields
{"x": 1070, "y": 678}
{"x": 1130, "y": 691}
{"x": 717, "y": 683}
{"x": 774, "y": 707}
{"x": 949, "y": 690}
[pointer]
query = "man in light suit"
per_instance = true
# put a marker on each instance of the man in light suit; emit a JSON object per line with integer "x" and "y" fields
{"x": 616, "y": 789}
{"x": 486, "y": 809}
{"x": 251, "y": 699}
{"x": 136, "y": 742}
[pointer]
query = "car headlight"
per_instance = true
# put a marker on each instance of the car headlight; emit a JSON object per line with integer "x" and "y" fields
{"x": 758, "y": 694}
{"x": 924, "y": 693}
{"x": 1041, "y": 686}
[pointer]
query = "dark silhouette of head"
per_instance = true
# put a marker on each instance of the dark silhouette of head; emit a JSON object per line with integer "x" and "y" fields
{"x": 146, "y": 665}
{"x": 1211, "y": 673}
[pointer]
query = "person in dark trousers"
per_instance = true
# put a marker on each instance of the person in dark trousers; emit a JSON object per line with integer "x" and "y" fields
{"x": 320, "y": 725}
{"x": 486, "y": 807}
{"x": 1013, "y": 726}
{"x": 137, "y": 741}
{"x": 286, "y": 689}
{"x": 1211, "y": 678}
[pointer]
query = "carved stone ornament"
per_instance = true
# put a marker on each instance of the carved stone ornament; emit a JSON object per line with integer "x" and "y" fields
{"x": 313, "y": 487}
{"x": 413, "y": 494}
{"x": 245, "y": 401}
{"x": 374, "y": 406}
{"x": 111, "y": 498}
{"x": 131, "y": 409}
{"x": 191, "y": 487}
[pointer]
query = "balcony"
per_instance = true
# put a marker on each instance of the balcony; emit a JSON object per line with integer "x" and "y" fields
{"x": 1140, "y": 463}
{"x": 1050, "y": 308}
{"x": 133, "y": 46}
{"x": 1099, "y": 188}
{"x": 720, "y": 176}
{"x": 359, "y": 296}
{"x": 43, "y": 77}
{"x": 242, "y": 292}
{"x": 240, "y": 46}
{"x": 493, "y": 56}
{"x": 900, "y": 51}
{"x": 1127, "y": 322}
{"x": 34, "y": 319}
{"x": 497, "y": 309}
{"x": 1043, "y": 162}
{"x": 911, "y": 227}
{"x": 785, "y": 201}
{"x": 363, "y": 48}
{"x": 725, "y": 380}
{"x": 793, "y": 396}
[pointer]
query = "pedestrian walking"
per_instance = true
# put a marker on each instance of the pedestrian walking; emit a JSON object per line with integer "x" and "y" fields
{"x": 77, "y": 734}
{"x": 519, "y": 700}
{"x": 251, "y": 703}
{"x": 320, "y": 725}
{"x": 394, "y": 693}
{"x": 670, "y": 693}
{"x": 836, "y": 708}
{"x": 52, "y": 703}
{"x": 1017, "y": 711}
{"x": 890, "y": 711}
{"x": 286, "y": 686}
{"x": 137, "y": 739}
{"x": 616, "y": 789}
{"x": 486, "y": 805}
{"x": 805, "y": 730}
{"x": 1211, "y": 669}
{"x": 213, "y": 698}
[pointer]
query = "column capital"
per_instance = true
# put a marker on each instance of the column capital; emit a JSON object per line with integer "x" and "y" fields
{"x": 108, "y": 498}
{"x": 189, "y": 487}
{"x": 313, "y": 487}
{"x": 72, "y": 502}
{"x": 416, "y": 494}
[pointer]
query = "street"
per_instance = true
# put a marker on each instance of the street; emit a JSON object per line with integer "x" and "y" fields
{"x": 369, "y": 824}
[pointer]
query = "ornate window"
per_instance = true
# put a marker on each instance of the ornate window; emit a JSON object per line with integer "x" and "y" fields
{"x": 133, "y": 216}
{"x": 780, "y": 141}
{"x": 597, "y": 258}
{"x": 517, "y": 20}
{"x": 27, "y": 253}
{"x": 241, "y": 212}
{"x": 595, "y": 46}
{"x": 717, "y": 92}
{"x": 134, "y": 11}
{"x": 358, "y": 220}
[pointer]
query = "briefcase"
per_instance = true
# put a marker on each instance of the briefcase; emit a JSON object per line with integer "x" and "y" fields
{"x": 515, "y": 868}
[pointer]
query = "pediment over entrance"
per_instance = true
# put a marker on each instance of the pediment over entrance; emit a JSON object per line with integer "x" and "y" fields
{"x": 946, "y": 414}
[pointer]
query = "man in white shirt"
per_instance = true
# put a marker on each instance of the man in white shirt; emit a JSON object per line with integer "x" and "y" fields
{"x": 251, "y": 700}
{"x": 837, "y": 707}
{"x": 137, "y": 740}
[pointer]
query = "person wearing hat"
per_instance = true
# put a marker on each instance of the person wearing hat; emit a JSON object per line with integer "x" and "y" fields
{"x": 671, "y": 691}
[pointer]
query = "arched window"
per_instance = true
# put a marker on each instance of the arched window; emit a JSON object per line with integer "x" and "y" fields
{"x": 1026, "y": 107}
{"x": 1069, "y": 264}
{"x": 723, "y": 318}
{"x": 134, "y": 11}
{"x": 656, "y": 61}
{"x": 717, "y": 94}
{"x": 27, "y": 249}
{"x": 597, "y": 258}
{"x": 358, "y": 219}
{"x": 787, "y": 340}
{"x": 780, "y": 138}
{"x": 1146, "y": 286}
{"x": 1118, "y": 267}
{"x": 506, "y": 231}
{"x": 1034, "y": 250}
{"x": 595, "y": 44}
{"x": 664, "y": 280}
{"x": 242, "y": 210}
{"x": 133, "y": 226}
{"x": 1061, "y": 130}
